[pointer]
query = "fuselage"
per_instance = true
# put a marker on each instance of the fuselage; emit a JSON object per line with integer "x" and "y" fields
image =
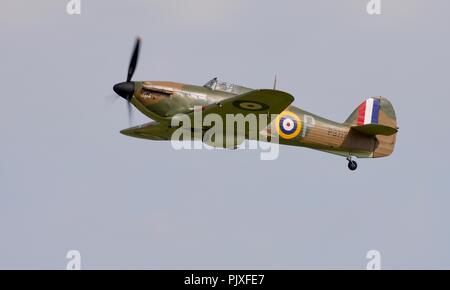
{"x": 161, "y": 100}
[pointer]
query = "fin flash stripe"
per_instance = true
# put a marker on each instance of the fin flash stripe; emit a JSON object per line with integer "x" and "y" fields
{"x": 368, "y": 112}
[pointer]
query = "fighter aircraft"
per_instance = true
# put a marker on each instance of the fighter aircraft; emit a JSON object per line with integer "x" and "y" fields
{"x": 369, "y": 132}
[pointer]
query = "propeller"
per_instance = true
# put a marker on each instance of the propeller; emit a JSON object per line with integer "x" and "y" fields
{"x": 126, "y": 89}
{"x": 134, "y": 59}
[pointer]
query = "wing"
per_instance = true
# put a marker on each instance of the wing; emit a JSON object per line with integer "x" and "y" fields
{"x": 151, "y": 131}
{"x": 255, "y": 102}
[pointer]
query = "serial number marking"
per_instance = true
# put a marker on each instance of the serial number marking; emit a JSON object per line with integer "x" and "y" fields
{"x": 335, "y": 133}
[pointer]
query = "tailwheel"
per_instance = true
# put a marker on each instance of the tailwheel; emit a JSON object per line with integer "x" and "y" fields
{"x": 352, "y": 165}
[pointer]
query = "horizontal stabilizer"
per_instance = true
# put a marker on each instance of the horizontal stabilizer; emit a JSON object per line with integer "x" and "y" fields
{"x": 375, "y": 129}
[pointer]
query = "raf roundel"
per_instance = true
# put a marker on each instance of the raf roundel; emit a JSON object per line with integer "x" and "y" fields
{"x": 250, "y": 105}
{"x": 288, "y": 125}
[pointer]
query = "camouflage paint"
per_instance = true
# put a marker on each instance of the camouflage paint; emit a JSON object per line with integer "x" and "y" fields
{"x": 161, "y": 100}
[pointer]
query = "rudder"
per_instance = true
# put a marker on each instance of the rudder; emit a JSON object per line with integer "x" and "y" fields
{"x": 376, "y": 117}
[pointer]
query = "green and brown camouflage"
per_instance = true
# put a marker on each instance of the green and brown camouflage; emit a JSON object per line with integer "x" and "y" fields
{"x": 161, "y": 101}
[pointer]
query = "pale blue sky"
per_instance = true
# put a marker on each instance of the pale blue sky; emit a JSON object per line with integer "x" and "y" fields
{"x": 69, "y": 180}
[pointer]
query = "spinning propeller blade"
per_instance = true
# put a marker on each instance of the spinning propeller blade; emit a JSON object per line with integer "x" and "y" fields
{"x": 126, "y": 89}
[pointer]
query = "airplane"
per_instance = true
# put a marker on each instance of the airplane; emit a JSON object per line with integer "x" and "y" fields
{"x": 369, "y": 132}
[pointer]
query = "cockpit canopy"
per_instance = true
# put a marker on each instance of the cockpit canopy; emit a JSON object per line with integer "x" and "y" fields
{"x": 220, "y": 86}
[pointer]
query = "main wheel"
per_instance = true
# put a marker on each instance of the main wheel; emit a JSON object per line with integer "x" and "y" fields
{"x": 352, "y": 165}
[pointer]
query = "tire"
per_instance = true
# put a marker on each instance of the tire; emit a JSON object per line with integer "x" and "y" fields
{"x": 352, "y": 165}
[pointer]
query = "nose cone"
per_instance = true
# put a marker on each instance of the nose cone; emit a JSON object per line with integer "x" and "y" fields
{"x": 125, "y": 89}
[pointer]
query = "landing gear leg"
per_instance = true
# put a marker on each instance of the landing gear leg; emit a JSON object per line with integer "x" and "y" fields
{"x": 352, "y": 165}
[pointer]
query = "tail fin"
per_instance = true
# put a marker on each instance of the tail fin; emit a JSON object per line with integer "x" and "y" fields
{"x": 376, "y": 117}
